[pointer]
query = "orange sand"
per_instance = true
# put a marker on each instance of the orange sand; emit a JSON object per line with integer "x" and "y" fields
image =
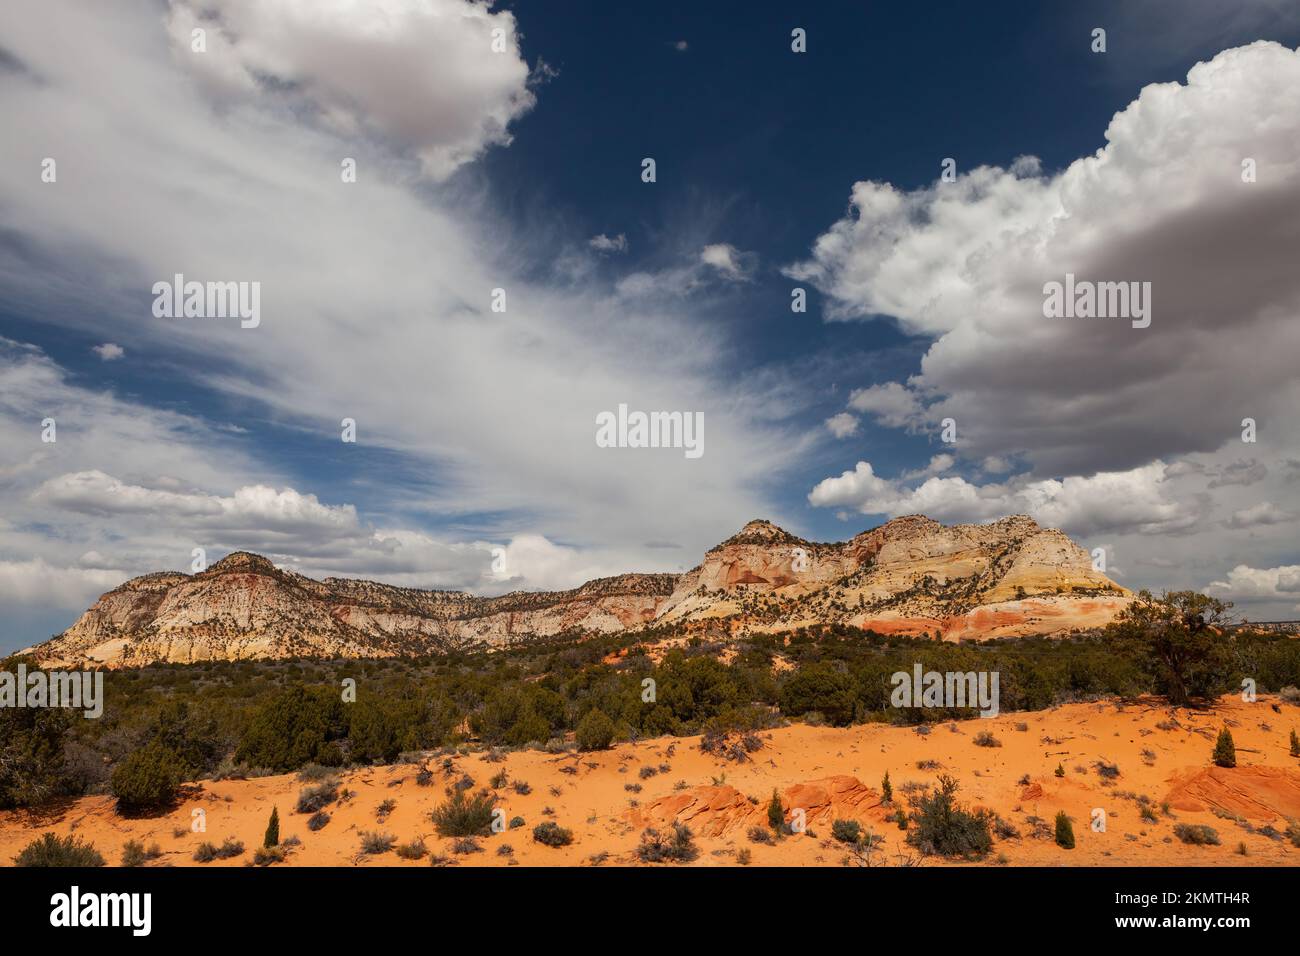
{"x": 827, "y": 772}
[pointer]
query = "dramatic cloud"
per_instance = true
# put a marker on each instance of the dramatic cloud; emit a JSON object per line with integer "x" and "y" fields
{"x": 1164, "y": 201}
{"x": 421, "y": 74}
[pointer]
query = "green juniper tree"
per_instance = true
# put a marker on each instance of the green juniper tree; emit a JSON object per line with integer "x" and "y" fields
{"x": 775, "y": 813}
{"x": 1225, "y": 751}
{"x": 272, "y": 837}
{"x": 1181, "y": 637}
{"x": 1064, "y": 831}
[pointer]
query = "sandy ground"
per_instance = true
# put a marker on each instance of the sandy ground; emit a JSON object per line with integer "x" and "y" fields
{"x": 826, "y": 772}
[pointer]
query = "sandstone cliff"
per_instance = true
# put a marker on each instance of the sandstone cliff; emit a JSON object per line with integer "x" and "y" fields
{"x": 911, "y": 576}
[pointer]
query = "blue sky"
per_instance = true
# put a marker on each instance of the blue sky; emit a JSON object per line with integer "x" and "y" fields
{"x": 775, "y": 170}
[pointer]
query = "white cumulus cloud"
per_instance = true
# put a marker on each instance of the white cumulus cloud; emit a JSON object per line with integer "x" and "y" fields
{"x": 420, "y": 74}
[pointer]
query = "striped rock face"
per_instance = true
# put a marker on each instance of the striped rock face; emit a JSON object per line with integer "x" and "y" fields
{"x": 909, "y": 576}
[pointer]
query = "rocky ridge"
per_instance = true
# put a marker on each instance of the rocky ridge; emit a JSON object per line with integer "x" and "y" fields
{"x": 911, "y": 575}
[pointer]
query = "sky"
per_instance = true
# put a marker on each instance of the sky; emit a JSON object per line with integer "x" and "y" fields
{"x": 445, "y": 208}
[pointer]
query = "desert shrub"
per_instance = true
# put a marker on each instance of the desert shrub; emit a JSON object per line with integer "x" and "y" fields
{"x": 886, "y": 790}
{"x": 266, "y": 855}
{"x": 677, "y": 847}
{"x": 385, "y": 808}
{"x": 1225, "y": 751}
{"x": 375, "y": 842}
{"x": 1107, "y": 771}
{"x": 133, "y": 853}
{"x": 986, "y": 739}
{"x": 552, "y": 834}
{"x": 1004, "y": 829}
{"x": 315, "y": 773}
{"x": 207, "y": 852}
{"x": 313, "y": 799}
{"x": 463, "y": 816}
{"x": 595, "y": 731}
{"x": 744, "y": 856}
{"x": 466, "y": 845}
{"x": 50, "y": 850}
{"x": 1290, "y": 694}
{"x": 942, "y": 827}
{"x": 516, "y": 822}
{"x": 760, "y": 835}
{"x": 1064, "y": 831}
{"x": 317, "y": 821}
{"x": 147, "y": 779}
{"x": 413, "y": 850}
{"x": 846, "y": 831}
{"x": 1197, "y": 834}
{"x": 227, "y": 769}
{"x": 272, "y": 835}
{"x": 1295, "y": 744}
{"x": 1060, "y": 770}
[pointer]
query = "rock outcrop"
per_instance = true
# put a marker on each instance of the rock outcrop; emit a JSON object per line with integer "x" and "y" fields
{"x": 909, "y": 576}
